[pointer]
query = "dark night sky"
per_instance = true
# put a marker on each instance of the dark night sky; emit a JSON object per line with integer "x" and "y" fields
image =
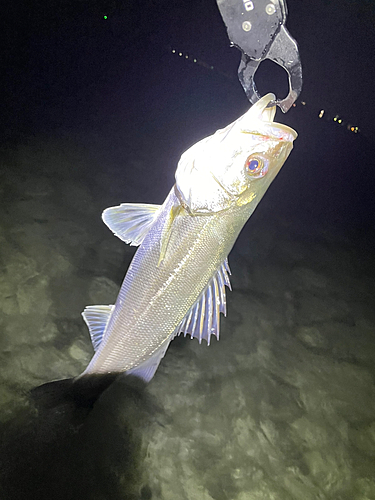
{"x": 65, "y": 68}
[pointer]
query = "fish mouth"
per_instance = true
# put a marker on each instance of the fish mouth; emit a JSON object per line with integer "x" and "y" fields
{"x": 265, "y": 110}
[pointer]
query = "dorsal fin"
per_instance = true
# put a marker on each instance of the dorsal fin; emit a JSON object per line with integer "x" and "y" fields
{"x": 130, "y": 221}
{"x": 203, "y": 318}
{"x": 96, "y": 318}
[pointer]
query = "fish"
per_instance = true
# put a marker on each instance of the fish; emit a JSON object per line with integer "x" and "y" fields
{"x": 176, "y": 281}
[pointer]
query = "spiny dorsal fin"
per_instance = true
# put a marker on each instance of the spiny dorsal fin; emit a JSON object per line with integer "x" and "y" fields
{"x": 203, "y": 318}
{"x": 130, "y": 221}
{"x": 96, "y": 318}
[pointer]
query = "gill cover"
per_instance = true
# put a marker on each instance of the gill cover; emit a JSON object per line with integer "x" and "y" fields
{"x": 212, "y": 174}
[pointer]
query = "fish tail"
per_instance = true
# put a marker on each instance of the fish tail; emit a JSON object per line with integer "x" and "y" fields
{"x": 74, "y": 439}
{"x": 73, "y": 398}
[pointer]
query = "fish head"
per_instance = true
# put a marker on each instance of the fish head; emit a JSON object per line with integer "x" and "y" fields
{"x": 235, "y": 165}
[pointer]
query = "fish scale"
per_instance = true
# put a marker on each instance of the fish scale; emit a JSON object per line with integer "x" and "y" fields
{"x": 151, "y": 314}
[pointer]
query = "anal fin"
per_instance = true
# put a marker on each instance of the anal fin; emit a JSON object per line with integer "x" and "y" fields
{"x": 147, "y": 369}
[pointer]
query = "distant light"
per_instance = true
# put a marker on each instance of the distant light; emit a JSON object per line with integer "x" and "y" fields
{"x": 187, "y": 57}
{"x": 195, "y": 60}
{"x": 105, "y": 17}
{"x": 180, "y": 54}
{"x": 212, "y": 67}
{"x": 294, "y": 105}
{"x": 336, "y": 118}
{"x": 321, "y": 113}
{"x": 352, "y": 128}
{"x": 173, "y": 51}
{"x": 303, "y": 103}
{"x": 339, "y": 121}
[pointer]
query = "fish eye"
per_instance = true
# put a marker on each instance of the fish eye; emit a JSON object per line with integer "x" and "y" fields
{"x": 256, "y": 166}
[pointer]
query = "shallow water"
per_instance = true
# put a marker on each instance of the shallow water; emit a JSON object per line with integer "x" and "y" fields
{"x": 282, "y": 407}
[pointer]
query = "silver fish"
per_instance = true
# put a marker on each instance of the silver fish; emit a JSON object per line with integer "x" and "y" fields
{"x": 176, "y": 281}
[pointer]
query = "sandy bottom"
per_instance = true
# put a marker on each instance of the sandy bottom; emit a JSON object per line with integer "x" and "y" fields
{"x": 282, "y": 408}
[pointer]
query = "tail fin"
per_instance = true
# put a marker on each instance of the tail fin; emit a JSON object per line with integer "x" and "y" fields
{"x": 72, "y": 448}
{"x": 71, "y": 398}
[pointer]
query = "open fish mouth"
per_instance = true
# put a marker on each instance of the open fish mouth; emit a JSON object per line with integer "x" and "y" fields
{"x": 265, "y": 110}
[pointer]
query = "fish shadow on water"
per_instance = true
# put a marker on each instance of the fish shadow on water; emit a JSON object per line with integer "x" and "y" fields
{"x": 74, "y": 447}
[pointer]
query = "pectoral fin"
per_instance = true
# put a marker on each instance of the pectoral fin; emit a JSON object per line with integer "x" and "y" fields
{"x": 131, "y": 221}
{"x": 167, "y": 230}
